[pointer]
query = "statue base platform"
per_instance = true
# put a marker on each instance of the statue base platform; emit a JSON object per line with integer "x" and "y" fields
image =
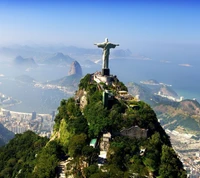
{"x": 105, "y": 72}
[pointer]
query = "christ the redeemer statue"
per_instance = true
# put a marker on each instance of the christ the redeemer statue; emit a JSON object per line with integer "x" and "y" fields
{"x": 106, "y": 51}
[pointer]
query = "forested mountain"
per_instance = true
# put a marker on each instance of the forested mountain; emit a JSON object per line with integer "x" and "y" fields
{"x": 17, "y": 158}
{"x": 126, "y": 130}
{"x": 78, "y": 123}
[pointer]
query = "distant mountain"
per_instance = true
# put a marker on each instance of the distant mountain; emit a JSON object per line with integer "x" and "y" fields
{"x": 25, "y": 79}
{"x": 58, "y": 59}
{"x": 148, "y": 92}
{"x": 5, "y": 135}
{"x": 73, "y": 78}
{"x": 161, "y": 88}
{"x": 24, "y": 62}
{"x": 70, "y": 81}
{"x": 39, "y": 52}
{"x": 75, "y": 68}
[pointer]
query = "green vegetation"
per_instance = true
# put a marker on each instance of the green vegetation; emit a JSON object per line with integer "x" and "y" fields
{"x": 124, "y": 158}
{"x": 168, "y": 162}
{"x": 17, "y": 158}
{"x": 73, "y": 130}
{"x": 47, "y": 161}
{"x": 84, "y": 83}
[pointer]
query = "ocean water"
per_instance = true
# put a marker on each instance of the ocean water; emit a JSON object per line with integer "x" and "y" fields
{"x": 185, "y": 79}
{"x": 32, "y": 99}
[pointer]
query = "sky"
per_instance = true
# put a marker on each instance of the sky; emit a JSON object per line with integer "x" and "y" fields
{"x": 133, "y": 24}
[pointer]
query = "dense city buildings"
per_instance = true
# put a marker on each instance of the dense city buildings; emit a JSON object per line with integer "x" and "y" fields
{"x": 19, "y": 122}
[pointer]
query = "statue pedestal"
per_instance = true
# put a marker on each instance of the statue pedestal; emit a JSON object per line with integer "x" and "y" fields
{"x": 105, "y": 72}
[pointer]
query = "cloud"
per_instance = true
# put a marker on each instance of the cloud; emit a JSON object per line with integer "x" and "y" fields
{"x": 146, "y": 58}
{"x": 185, "y": 65}
{"x": 165, "y": 61}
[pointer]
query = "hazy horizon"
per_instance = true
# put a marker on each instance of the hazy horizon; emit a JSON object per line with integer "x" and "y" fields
{"x": 137, "y": 25}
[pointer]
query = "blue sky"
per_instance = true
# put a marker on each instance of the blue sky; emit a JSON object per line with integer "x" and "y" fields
{"x": 132, "y": 24}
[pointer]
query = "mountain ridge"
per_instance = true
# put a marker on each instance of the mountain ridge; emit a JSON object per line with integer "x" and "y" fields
{"x": 58, "y": 59}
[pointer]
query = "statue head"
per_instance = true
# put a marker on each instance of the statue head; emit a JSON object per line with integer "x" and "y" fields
{"x": 106, "y": 40}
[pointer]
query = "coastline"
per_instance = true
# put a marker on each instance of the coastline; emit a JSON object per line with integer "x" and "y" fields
{"x": 188, "y": 94}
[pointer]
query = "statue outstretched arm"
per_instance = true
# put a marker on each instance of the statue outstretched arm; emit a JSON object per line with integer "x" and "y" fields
{"x": 100, "y": 45}
{"x": 113, "y": 45}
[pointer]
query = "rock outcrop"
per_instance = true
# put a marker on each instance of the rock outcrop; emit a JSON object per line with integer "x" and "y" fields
{"x": 75, "y": 68}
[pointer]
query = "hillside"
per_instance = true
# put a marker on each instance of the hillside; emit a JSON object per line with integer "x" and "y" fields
{"x": 102, "y": 131}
